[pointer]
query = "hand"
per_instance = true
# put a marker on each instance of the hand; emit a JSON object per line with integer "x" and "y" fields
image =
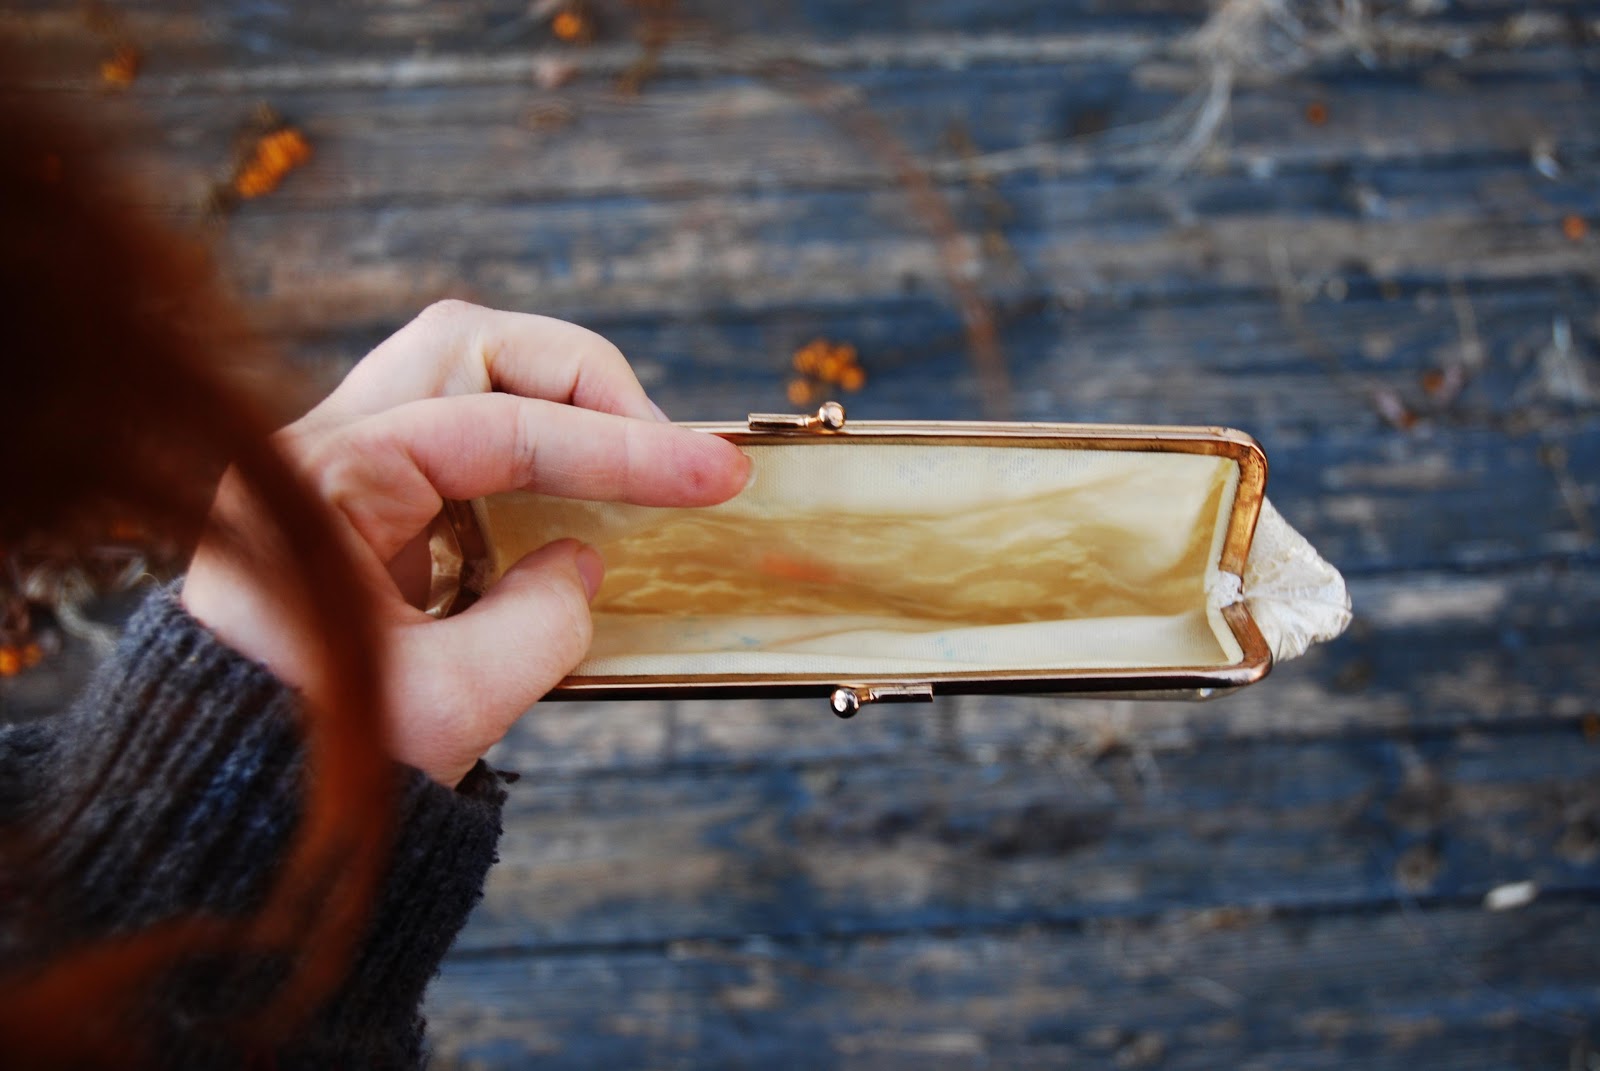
{"x": 414, "y": 423}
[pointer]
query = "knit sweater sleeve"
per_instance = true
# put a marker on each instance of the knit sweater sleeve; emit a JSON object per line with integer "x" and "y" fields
{"x": 172, "y": 787}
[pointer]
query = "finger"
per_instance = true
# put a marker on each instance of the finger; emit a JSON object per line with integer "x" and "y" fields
{"x": 514, "y": 645}
{"x": 493, "y": 442}
{"x": 453, "y": 347}
{"x": 389, "y": 472}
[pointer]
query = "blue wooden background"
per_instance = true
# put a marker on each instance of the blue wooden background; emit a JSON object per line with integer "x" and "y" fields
{"x": 1381, "y": 259}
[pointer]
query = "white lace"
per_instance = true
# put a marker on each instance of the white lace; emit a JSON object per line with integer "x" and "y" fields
{"x": 1296, "y": 598}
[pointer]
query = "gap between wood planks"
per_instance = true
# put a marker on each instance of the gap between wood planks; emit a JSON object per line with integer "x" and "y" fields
{"x": 1034, "y": 922}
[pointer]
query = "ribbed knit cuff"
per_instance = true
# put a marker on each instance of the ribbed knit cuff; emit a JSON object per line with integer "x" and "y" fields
{"x": 178, "y": 779}
{"x": 442, "y": 855}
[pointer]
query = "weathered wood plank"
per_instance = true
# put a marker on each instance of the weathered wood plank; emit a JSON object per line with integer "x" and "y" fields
{"x": 1394, "y": 990}
{"x": 1069, "y": 244}
{"x": 1461, "y": 497}
{"x": 503, "y": 141}
{"x": 1041, "y": 832}
{"x": 1202, "y": 357}
{"x": 1239, "y": 362}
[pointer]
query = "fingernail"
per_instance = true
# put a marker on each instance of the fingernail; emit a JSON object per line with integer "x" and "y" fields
{"x": 750, "y": 477}
{"x": 592, "y": 568}
{"x": 664, "y": 418}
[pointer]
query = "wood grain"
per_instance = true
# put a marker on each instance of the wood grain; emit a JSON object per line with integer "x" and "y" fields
{"x": 1443, "y": 986}
{"x": 1041, "y": 834}
{"x": 495, "y": 142}
{"x": 1068, "y": 243}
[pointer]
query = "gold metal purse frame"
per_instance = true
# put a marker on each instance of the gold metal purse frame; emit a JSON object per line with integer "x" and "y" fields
{"x": 460, "y": 569}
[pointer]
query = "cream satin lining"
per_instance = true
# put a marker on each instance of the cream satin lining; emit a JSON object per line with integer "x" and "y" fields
{"x": 852, "y": 560}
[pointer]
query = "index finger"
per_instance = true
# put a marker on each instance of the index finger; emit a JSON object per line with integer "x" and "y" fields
{"x": 389, "y": 472}
{"x": 453, "y": 347}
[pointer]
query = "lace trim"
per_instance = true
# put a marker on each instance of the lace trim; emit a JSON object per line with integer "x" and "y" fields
{"x": 1296, "y": 597}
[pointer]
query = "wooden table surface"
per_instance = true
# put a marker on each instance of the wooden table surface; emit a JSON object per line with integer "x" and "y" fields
{"x": 1381, "y": 260}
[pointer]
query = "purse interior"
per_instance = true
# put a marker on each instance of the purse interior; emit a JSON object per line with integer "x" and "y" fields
{"x": 864, "y": 560}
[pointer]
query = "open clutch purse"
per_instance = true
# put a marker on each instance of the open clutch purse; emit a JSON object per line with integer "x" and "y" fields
{"x": 888, "y": 561}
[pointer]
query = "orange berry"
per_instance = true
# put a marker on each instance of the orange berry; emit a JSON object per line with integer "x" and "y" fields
{"x": 1575, "y": 228}
{"x": 10, "y": 662}
{"x": 799, "y": 391}
{"x": 31, "y": 655}
{"x": 276, "y": 154}
{"x": 853, "y": 379}
{"x": 283, "y": 150}
{"x": 251, "y": 183}
{"x": 122, "y": 68}
{"x": 569, "y": 26}
{"x": 1316, "y": 113}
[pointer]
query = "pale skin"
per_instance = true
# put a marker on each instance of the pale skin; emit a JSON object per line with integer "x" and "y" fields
{"x": 462, "y": 402}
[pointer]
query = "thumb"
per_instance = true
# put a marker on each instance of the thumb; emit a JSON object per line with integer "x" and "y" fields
{"x": 532, "y": 628}
{"x": 503, "y": 654}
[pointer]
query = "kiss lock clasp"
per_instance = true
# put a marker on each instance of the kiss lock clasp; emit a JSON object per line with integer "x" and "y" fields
{"x": 830, "y": 417}
{"x": 847, "y": 700}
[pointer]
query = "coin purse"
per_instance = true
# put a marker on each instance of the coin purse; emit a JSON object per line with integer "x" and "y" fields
{"x": 892, "y": 561}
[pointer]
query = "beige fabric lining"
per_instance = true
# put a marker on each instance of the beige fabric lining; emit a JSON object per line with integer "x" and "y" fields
{"x": 850, "y": 559}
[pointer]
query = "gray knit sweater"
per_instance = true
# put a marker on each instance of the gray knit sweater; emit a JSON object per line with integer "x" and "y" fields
{"x": 171, "y": 787}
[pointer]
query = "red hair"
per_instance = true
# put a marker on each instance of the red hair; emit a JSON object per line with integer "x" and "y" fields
{"x": 116, "y": 391}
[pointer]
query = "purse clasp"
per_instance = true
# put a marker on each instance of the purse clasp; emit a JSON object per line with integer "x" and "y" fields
{"x": 847, "y": 700}
{"x": 828, "y": 418}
